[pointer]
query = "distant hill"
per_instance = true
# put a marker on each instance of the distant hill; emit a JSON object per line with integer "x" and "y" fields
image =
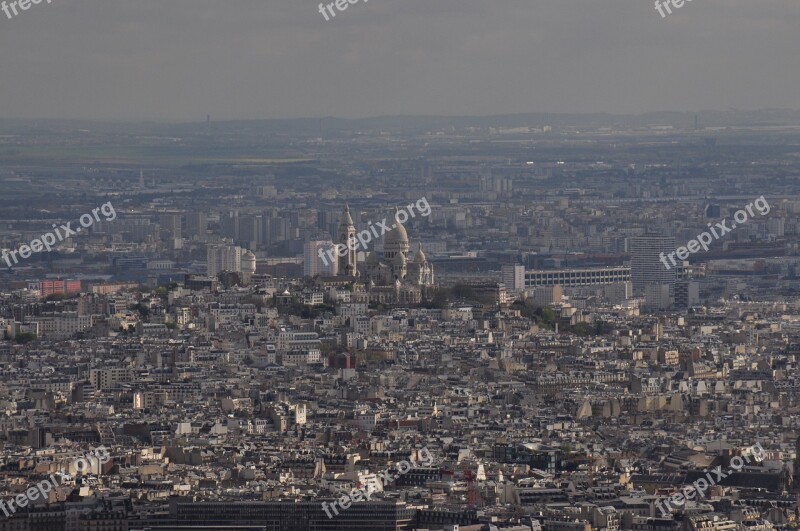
{"x": 419, "y": 124}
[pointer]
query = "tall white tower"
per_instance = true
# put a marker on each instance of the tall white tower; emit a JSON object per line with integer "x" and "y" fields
{"x": 248, "y": 267}
{"x": 347, "y": 237}
{"x": 224, "y": 257}
{"x": 316, "y": 262}
{"x": 646, "y": 266}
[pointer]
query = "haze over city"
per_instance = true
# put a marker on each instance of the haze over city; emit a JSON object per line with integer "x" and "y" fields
{"x": 399, "y": 265}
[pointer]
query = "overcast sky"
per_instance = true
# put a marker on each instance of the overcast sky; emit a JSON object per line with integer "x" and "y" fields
{"x": 178, "y": 60}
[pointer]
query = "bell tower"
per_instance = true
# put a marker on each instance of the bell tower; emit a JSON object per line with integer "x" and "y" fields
{"x": 347, "y": 240}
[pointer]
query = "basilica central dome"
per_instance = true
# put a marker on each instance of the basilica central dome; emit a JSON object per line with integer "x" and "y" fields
{"x": 397, "y": 235}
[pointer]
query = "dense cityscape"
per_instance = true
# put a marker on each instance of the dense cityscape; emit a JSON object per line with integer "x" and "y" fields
{"x": 528, "y": 322}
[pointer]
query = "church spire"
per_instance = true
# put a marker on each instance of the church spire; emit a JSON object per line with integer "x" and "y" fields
{"x": 347, "y": 240}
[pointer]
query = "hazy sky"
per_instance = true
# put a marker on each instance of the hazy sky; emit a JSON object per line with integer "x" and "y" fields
{"x": 240, "y": 59}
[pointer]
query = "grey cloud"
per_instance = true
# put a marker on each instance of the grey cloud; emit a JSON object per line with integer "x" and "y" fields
{"x": 182, "y": 59}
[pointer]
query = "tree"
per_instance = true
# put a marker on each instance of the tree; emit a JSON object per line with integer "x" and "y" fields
{"x": 25, "y": 337}
{"x": 602, "y": 328}
{"x": 143, "y": 310}
{"x": 582, "y": 329}
{"x": 437, "y": 298}
{"x": 463, "y": 291}
{"x": 547, "y": 315}
{"x": 526, "y": 309}
{"x": 538, "y": 314}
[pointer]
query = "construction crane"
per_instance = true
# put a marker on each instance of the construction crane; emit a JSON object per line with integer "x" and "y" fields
{"x": 470, "y": 479}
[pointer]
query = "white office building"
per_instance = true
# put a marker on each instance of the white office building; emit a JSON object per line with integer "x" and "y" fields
{"x": 316, "y": 259}
{"x": 646, "y": 265}
{"x": 514, "y": 278}
{"x": 224, "y": 257}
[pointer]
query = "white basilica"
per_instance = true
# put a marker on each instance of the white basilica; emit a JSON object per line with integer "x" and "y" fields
{"x": 390, "y": 278}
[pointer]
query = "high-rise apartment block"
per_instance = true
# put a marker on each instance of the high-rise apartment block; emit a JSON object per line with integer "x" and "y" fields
{"x": 514, "y": 277}
{"x": 646, "y": 265}
{"x": 224, "y": 257}
{"x": 317, "y": 260}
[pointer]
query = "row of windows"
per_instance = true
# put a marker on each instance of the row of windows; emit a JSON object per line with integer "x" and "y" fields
{"x": 599, "y": 274}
